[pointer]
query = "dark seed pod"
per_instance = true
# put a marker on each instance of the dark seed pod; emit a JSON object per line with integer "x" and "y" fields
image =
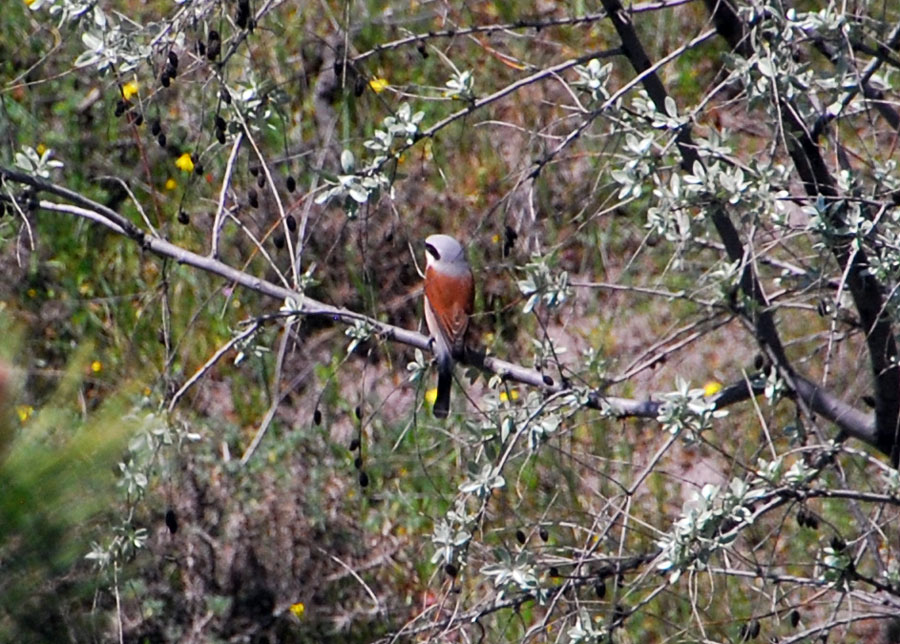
{"x": 251, "y": 25}
{"x": 317, "y": 416}
{"x": 291, "y": 223}
{"x": 802, "y": 514}
{"x": 220, "y": 124}
{"x": 2, "y": 209}
{"x": 164, "y": 79}
{"x": 838, "y": 544}
{"x": 254, "y": 170}
{"x": 291, "y": 184}
{"x": 253, "y": 199}
{"x": 214, "y": 47}
{"x": 451, "y": 570}
{"x": 554, "y": 571}
{"x": 363, "y": 479}
{"x": 201, "y": 48}
{"x": 422, "y": 51}
{"x": 600, "y": 589}
{"x": 183, "y": 218}
{"x": 226, "y": 96}
{"x": 171, "y": 72}
{"x": 213, "y": 35}
{"x": 509, "y": 240}
{"x": 795, "y": 618}
{"x": 138, "y": 119}
{"x": 242, "y": 17}
{"x": 220, "y": 136}
{"x": 171, "y": 521}
{"x": 279, "y": 241}
{"x": 198, "y": 168}
{"x": 754, "y": 629}
{"x": 520, "y": 536}
{"x": 547, "y": 380}
{"x": 161, "y": 139}
{"x": 120, "y": 107}
{"x": 155, "y": 127}
{"x": 173, "y": 59}
{"x": 544, "y": 534}
{"x": 354, "y": 445}
{"x": 358, "y": 412}
{"x": 358, "y": 462}
{"x": 261, "y": 181}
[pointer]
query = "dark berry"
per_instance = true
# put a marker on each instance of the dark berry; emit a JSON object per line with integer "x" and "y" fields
{"x": 171, "y": 521}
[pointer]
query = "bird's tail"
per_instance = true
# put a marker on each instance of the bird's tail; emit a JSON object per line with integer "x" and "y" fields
{"x": 442, "y": 401}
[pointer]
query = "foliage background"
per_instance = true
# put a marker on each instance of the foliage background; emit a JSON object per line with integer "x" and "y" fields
{"x": 291, "y": 546}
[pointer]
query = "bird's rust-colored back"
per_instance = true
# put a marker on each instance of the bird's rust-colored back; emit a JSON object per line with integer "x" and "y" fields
{"x": 452, "y": 300}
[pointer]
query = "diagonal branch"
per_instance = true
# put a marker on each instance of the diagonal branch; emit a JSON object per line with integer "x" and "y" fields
{"x": 864, "y": 288}
{"x": 851, "y": 421}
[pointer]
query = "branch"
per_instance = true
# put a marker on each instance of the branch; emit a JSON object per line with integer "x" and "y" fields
{"x": 851, "y": 421}
{"x": 764, "y": 323}
{"x": 509, "y": 26}
{"x": 864, "y": 288}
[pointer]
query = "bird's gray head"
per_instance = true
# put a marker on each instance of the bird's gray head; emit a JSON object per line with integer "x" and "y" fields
{"x": 443, "y": 249}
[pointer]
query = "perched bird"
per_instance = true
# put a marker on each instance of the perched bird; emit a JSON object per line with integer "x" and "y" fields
{"x": 449, "y": 299}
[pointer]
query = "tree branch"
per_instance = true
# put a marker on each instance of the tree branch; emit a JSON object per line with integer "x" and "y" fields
{"x": 847, "y": 418}
{"x": 864, "y": 288}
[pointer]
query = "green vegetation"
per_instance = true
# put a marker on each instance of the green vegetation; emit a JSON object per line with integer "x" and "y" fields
{"x": 195, "y": 446}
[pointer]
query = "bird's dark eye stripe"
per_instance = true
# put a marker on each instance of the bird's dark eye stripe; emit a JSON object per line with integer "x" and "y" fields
{"x": 431, "y": 249}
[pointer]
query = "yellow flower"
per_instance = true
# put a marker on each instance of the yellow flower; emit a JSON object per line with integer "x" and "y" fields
{"x": 171, "y": 184}
{"x": 506, "y": 397}
{"x": 129, "y": 89}
{"x": 298, "y": 609}
{"x": 378, "y": 85}
{"x": 185, "y": 162}
{"x": 24, "y": 412}
{"x": 431, "y": 396}
{"x": 41, "y": 148}
{"x": 31, "y": 292}
{"x": 96, "y": 366}
{"x": 711, "y": 388}
{"x": 496, "y": 239}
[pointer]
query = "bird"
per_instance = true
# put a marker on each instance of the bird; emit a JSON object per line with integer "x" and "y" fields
{"x": 449, "y": 300}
